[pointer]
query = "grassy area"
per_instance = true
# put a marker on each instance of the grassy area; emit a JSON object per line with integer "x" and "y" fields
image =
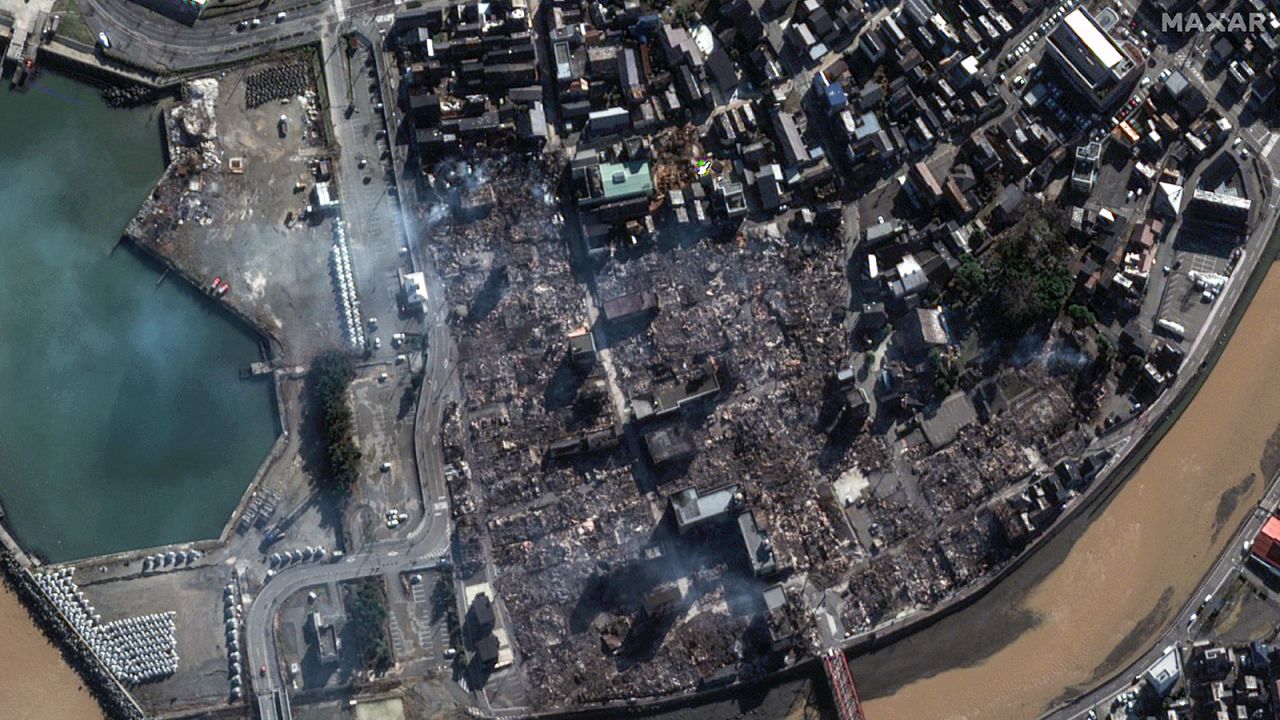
{"x": 72, "y": 26}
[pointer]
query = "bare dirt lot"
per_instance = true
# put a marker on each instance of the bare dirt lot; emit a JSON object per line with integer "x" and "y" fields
{"x": 215, "y": 218}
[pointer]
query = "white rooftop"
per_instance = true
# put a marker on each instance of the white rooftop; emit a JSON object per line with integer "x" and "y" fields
{"x": 1092, "y": 37}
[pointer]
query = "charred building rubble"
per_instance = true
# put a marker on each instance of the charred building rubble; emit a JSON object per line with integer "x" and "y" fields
{"x": 545, "y": 488}
{"x": 723, "y": 354}
{"x": 651, "y": 444}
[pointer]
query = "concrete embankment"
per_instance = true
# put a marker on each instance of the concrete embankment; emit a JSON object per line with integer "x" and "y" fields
{"x": 272, "y": 344}
{"x": 175, "y": 267}
{"x": 95, "y": 67}
{"x": 10, "y": 544}
{"x": 137, "y": 235}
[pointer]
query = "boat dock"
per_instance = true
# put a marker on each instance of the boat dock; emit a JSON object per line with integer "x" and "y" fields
{"x": 27, "y": 33}
{"x": 255, "y": 369}
{"x": 35, "y": 32}
{"x": 14, "y": 53}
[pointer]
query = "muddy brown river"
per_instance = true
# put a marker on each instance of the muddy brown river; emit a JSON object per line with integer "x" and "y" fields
{"x": 1101, "y": 594}
{"x": 34, "y": 682}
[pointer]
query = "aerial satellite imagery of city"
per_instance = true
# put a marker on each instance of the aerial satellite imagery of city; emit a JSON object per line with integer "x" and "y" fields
{"x": 662, "y": 359}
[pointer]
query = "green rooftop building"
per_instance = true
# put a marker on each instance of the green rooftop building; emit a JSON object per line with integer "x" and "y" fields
{"x": 622, "y": 181}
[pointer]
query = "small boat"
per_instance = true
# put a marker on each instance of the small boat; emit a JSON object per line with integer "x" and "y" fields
{"x": 216, "y": 282}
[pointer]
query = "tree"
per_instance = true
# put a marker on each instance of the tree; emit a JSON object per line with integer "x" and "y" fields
{"x": 1030, "y": 275}
{"x": 330, "y": 375}
{"x": 1082, "y": 316}
{"x": 367, "y": 609}
{"x": 970, "y": 279}
{"x": 1106, "y": 351}
{"x": 946, "y": 373}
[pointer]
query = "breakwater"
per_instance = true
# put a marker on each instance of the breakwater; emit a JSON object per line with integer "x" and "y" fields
{"x": 112, "y": 697}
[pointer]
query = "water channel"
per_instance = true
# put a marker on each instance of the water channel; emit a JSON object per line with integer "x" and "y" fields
{"x": 34, "y": 682}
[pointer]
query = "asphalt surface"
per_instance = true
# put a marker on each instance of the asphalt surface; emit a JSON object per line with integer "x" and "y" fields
{"x": 140, "y": 31}
{"x": 143, "y": 33}
{"x": 424, "y": 545}
{"x": 1263, "y": 148}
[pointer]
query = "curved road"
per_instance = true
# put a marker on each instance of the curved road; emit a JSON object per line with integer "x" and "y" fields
{"x": 423, "y": 546}
{"x": 419, "y": 550}
{"x": 147, "y": 36}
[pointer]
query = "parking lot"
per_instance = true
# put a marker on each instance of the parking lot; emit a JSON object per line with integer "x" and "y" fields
{"x": 298, "y": 645}
{"x": 388, "y": 499}
{"x": 1194, "y": 250}
{"x": 417, "y": 619}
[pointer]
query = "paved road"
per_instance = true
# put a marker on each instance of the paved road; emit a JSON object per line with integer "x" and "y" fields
{"x": 429, "y": 540}
{"x": 150, "y": 37}
{"x": 419, "y": 549}
{"x": 1262, "y": 144}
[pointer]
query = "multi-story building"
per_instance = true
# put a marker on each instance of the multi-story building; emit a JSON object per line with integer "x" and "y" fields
{"x": 1092, "y": 61}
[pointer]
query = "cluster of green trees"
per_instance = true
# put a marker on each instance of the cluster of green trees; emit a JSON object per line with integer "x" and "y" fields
{"x": 1025, "y": 280}
{"x": 367, "y": 613}
{"x": 444, "y": 599}
{"x": 330, "y": 376}
{"x": 1032, "y": 281}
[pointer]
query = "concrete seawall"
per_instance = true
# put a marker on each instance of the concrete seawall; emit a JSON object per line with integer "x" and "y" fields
{"x": 272, "y": 342}
{"x": 11, "y": 546}
{"x": 273, "y": 456}
{"x": 96, "y": 68}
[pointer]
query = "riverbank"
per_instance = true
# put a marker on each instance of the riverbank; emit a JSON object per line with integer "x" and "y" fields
{"x": 38, "y": 684}
{"x": 956, "y": 638}
{"x": 1088, "y": 604}
{"x": 110, "y": 696}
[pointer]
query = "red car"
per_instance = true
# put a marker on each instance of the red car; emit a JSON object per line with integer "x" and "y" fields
{"x": 262, "y": 671}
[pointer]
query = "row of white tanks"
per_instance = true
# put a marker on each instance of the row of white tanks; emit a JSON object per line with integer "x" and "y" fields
{"x": 307, "y": 554}
{"x": 231, "y": 612}
{"x": 135, "y": 649}
{"x": 171, "y": 559}
{"x": 348, "y": 302}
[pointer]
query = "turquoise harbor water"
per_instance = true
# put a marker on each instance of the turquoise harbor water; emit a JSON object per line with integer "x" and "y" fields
{"x": 123, "y": 420}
